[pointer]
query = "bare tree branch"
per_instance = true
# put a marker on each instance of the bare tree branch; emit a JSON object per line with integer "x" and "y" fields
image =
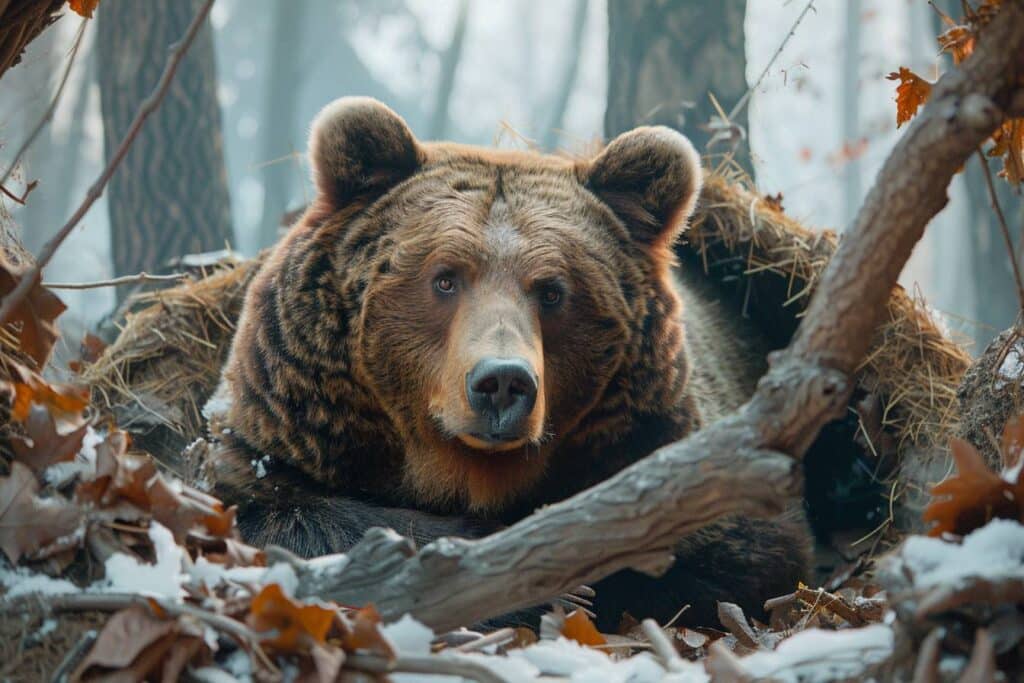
{"x": 635, "y": 518}
{"x": 11, "y": 301}
{"x": 1003, "y": 228}
{"x": 48, "y": 115}
{"x": 116, "y": 281}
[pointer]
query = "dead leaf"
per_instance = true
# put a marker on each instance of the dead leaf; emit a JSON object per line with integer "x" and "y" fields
{"x": 64, "y": 401}
{"x": 27, "y": 522}
{"x": 958, "y": 41}
{"x": 83, "y": 8}
{"x": 133, "y": 642}
{"x": 363, "y": 633}
{"x": 289, "y": 625}
{"x": 1009, "y": 144}
{"x": 912, "y": 92}
{"x": 45, "y": 445}
{"x": 33, "y": 320}
{"x": 973, "y": 496}
{"x": 580, "y": 628}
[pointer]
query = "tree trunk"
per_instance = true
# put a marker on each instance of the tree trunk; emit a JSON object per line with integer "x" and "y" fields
{"x": 449, "y": 66}
{"x": 170, "y": 196}
{"x": 568, "y": 80}
{"x": 665, "y": 56}
{"x": 281, "y": 97}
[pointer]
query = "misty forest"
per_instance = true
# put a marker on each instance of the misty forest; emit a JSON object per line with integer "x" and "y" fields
{"x": 473, "y": 375}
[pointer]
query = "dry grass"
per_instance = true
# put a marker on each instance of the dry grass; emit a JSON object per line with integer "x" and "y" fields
{"x": 912, "y": 366}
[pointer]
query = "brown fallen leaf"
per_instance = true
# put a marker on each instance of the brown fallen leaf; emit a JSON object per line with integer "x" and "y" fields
{"x": 27, "y": 522}
{"x": 44, "y": 444}
{"x": 362, "y": 632}
{"x": 288, "y": 625}
{"x": 1009, "y": 144}
{"x": 133, "y": 646}
{"x": 32, "y": 322}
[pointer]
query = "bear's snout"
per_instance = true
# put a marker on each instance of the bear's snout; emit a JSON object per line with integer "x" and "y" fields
{"x": 502, "y": 393}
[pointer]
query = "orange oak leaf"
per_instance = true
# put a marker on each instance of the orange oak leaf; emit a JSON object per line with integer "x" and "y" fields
{"x": 912, "y": 92}
{"x": 64, "y": 402}
{"x": 580, "y": 628}
{"x": 27, "y": 522}
{"x": 83, "y": 8}
{"x": 974, "y": 495}
{"x": 288, "y": 625}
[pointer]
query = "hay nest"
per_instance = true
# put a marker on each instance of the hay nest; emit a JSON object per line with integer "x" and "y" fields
{"x": 166, "y": 362}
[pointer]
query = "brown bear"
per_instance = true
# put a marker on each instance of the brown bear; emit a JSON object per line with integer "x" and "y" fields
{"x": 452, "y": 336}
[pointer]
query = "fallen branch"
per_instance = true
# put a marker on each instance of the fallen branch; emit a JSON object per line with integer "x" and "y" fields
{"x": 148, "y": 106}
{"x": 635, "y": 518}
{"x": 114, "y": 282}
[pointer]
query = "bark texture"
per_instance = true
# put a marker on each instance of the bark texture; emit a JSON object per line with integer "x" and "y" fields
{"x": 171, "y": 196}
{"x": 748, "y": 461}
{"x": 20, "y": 22}
{"x": 665, "y": 56}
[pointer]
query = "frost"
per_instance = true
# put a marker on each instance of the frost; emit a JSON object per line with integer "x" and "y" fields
{"x": 283, "y": 575}
{"x": 48, "y": 626}
{"x": 260, "y": 466}
{"x": 1011, "y": 371}
{"x": 818, "y": 655}
{"x": 126, "y": 574}
{"x": 211, "y": 574}
{"x": 408, "y": 636}
{"x": 21, "y": 581}
{"x": 92, "y": 439}
{"x": 218, "y": 404}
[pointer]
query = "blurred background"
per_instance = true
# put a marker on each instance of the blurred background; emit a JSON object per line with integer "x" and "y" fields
{"x": 222, "y": 161}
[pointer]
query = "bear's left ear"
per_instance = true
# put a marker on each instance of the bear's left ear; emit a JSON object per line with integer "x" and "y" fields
{"x": 650, "y": 177}
{"x": 359, "y": 148}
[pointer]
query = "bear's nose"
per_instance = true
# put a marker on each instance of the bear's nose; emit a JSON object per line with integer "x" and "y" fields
{"x": 502, "y": 391}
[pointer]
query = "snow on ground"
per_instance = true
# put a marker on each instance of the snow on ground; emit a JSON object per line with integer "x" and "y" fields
{"x": 819, "y": 655}
{"x": 993, "y": 552}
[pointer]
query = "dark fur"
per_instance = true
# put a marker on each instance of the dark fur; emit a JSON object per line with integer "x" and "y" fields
{"x": 341, "y": 356}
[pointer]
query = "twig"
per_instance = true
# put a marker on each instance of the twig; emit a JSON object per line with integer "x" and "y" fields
{"x": 833, "y": 603}
{"x": 1003, "y": 227}
{"x": 12, "y": 300}
{"x": 746, "y": 96}
{"x": 499, "y": 637}
{"x": 71, "y": 659}
{"x": 431, "y": 664}
{"x": 48, "y": 115}
{"x": 661, "y": 645}
{"x": 114, "y": 282}
{"x": 24, "y": 195}
{"x": 112, "y": 602}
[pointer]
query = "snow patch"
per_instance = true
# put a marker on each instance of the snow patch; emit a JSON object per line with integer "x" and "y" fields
{"x": 218, "y": 404}
{"x": 818, "y": 655}
{"x": 408, "y": 636}
{"x": 1011, "y": 371}
{"x": 126, "y": 574}
{"x": 283, "y": 575}
{"x": 21, "y": 581}
{"x": 993, "y": 551}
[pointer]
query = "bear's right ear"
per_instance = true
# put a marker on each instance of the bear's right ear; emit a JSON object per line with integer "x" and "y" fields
{"x": 359, "y": 148}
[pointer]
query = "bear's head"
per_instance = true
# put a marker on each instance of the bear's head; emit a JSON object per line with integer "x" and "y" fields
{"x": 508, "y": 302}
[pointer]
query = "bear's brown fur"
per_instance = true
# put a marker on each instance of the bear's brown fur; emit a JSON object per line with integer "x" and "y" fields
{"x": 348, "y": 387}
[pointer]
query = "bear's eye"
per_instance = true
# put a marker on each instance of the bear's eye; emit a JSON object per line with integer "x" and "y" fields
{"x": 445, "y": 284}
{"x": 550, "y": 295}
